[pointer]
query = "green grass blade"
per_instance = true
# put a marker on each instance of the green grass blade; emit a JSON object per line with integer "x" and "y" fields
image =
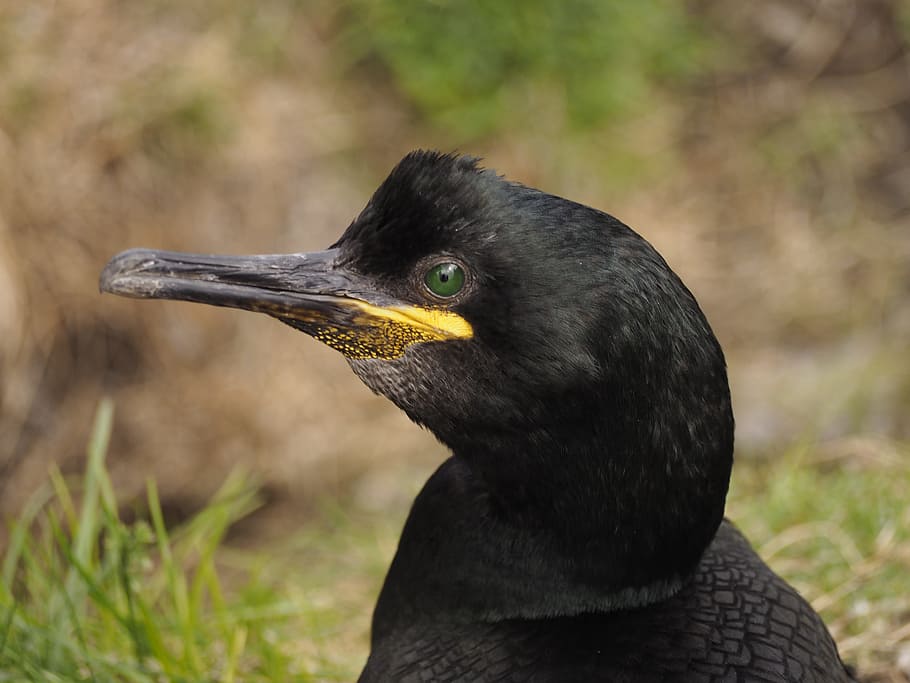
{"x": 176, "y": 581}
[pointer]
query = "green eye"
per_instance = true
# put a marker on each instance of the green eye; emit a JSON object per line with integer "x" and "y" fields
{"x": 445, "y": 279}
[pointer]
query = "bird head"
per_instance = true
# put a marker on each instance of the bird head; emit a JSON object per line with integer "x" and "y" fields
{"x": 542, "y": 340}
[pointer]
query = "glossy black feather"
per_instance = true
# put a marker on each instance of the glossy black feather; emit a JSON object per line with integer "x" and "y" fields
{"x": 733, "y": 620}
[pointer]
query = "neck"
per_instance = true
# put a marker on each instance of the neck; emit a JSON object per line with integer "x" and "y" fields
{"x": 626, "y": 495}
{"x": 459, "y": 559}
{"x": 540, "y": 525}
{"x": 596, "y": 496}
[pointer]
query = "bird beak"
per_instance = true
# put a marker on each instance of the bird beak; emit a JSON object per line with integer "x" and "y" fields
{"x": 312, "y": 292}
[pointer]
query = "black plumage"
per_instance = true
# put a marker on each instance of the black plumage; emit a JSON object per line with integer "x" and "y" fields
{"x": 576, "y": 532}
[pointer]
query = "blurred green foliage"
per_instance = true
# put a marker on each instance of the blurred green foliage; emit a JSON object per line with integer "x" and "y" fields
{"x": 173, "y": 118}
{"x": 21, "y": 104}
{"x": 903, "y": 17}
{"x": 473, "y": 67}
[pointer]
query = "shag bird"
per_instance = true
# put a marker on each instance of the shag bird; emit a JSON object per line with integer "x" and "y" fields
{"x": 577, "y": 531}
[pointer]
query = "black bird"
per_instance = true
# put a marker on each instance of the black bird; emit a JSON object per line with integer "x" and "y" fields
{"x": 576, "y": 533}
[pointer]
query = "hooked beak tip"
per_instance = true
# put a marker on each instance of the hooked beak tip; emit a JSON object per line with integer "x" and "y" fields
{"x": 120, "y": 275}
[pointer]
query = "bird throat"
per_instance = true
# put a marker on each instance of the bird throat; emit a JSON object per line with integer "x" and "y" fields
{"x": 459, "y": 559}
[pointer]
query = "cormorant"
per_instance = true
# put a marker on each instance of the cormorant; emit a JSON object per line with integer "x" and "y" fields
{"x": 576, "y": 533}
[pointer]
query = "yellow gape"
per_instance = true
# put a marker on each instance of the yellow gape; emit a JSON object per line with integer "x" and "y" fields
{"x": 386, "y": 333}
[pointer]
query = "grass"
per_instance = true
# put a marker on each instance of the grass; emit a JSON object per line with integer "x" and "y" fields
{"x": 86, "y": 596}
{"x": 835, "y": 523}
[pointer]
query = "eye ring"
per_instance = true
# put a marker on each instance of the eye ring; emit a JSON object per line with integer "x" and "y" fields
{"x": 445, "y": 278}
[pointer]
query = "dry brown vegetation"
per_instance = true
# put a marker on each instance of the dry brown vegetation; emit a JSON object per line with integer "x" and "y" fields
{"x": 777, "y": 185}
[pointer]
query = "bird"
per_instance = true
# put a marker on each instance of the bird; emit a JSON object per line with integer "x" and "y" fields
{"x": 576, "y": 533}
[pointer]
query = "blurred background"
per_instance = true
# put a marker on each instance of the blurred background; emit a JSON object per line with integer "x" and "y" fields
{"x": 763, "y": 148}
